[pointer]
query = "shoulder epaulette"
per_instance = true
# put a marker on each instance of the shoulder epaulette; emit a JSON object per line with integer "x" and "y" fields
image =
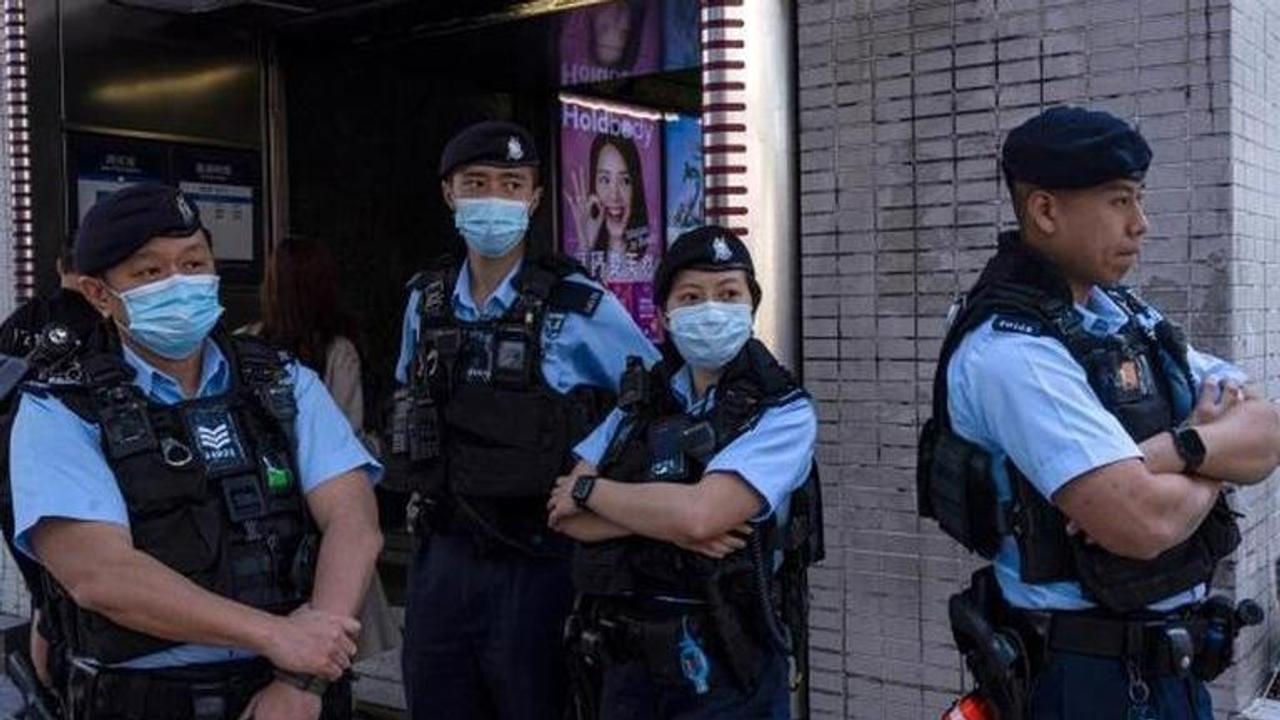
{"x": 1020, "y": 324}
{"x": 575, "y": 297}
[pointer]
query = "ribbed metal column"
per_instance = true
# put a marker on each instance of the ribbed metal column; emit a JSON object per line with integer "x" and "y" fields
{"x": 19, "y": 275}
{"x": 749, "y": 137}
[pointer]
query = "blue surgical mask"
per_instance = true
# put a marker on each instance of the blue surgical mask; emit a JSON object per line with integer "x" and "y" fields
{"x": 491, "y": 226}
{"x": 171, "y": 317}
{"x": 710, "y": 334}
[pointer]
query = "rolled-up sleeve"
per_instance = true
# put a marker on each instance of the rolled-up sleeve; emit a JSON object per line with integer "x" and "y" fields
{"x": 327, "y": 446}
{"x": 593, "y": 447}
{"x": 1031, "y": 399}
{"x": 57, "y": 470}
{"x": 1203, "y": 365}
{"x": 773, "y": 457}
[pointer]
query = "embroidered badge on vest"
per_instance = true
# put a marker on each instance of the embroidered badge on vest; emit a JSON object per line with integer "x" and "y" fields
{"x": 217, "y": 438}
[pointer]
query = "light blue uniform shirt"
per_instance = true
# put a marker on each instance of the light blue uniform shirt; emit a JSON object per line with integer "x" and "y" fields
{"x": 773, "y": 457}
{"x": 59, "y": 470}
{"x": 576, "y": 349}
{"x": 1023, "y": 397}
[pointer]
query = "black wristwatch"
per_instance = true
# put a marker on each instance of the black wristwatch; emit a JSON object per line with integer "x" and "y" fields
{"x": 582, "y": 488}
{"x": 1186, "y": 440}
{"x": 313, "y": 684}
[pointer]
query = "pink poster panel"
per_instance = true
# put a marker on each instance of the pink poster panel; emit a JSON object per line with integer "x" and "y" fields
{"x": 610, "y": 41}
{"x": 611, "y": 198}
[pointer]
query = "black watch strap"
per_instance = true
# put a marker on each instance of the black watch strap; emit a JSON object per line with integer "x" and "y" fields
{"x": 582, "y": 489}
{"x": 1190, "y": 447}
{"x": 313, "y": 684}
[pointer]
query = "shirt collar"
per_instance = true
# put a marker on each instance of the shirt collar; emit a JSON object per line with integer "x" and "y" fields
{"x": 215, "y": 375}
{"x": 682, "y": 387}
{"x": 1100, "y": 314}
{"x": 505, "y": 296}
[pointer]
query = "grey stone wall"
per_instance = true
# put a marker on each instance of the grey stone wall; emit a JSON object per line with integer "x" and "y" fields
{"x": 903, "y": 106}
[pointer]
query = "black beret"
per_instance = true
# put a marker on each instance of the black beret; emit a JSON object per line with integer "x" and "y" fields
{"x": 709, "y": 247}
{"x": 1070, "y": 147}
{"x": 493, "y": 142}
{"x": 120, "y": 223}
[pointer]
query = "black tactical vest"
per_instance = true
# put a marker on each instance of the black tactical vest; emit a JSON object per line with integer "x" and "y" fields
{"x": 504, "y": 434}
{"x": 211, "y": 487}
{"x": 657, "y": 442}
{"x": 1140, "y": 375}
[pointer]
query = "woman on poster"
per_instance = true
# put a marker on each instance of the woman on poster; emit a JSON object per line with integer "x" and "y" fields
{"x": 610, "y": 212}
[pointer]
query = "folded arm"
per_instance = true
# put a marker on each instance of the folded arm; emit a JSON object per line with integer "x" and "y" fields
{"x": 99, "y": 567}
{"x": 1133, "y": 512}
{"x": 1240, "y": 432}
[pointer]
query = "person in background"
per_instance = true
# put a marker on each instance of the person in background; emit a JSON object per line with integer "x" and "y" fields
{"x": 301, "y": 312}
{"x": 65, "y": 305}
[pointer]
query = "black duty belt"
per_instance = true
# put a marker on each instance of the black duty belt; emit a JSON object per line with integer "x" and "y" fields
{"x": 216, "y": 691}
{"x": 1161, "y": 645}
{"x": 200, "y": 692}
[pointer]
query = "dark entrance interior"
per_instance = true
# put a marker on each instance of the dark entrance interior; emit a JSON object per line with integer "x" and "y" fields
{"x": 346, "y": 105}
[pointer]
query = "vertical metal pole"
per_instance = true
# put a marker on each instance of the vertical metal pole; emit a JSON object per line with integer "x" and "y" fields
{"x": 17, "y": 153}
{"x": 749, "y": 140}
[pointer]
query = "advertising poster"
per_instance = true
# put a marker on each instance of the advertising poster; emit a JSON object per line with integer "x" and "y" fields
{"x": 681, "y": 48}
{"x": 105, "y": 165}
{"x": 683, "y": 136}
{"x": 611, "y": 198}
{"x": 610, "y": 41}
{"x": 223, "y": 185}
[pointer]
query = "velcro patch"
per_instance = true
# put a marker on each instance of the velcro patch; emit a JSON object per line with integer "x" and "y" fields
{"x": 1015, "y": 324}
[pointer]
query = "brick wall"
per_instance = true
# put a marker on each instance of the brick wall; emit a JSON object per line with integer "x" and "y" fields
{"x": 1249, "y": 275}
{"x": 903, "y": 106}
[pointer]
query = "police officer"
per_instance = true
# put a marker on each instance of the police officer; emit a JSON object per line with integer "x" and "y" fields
{"x": 201, "y": 508}
{"x": 684, "y": 500}
{"x": 508, "y": 360}
{"x": 1081, "y": 444}
{"x": 59, "y": 323}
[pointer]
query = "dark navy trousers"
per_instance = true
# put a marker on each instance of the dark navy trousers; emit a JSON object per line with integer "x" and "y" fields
{"x": 484, "y": 633}
{"x": 1076, "y": 687}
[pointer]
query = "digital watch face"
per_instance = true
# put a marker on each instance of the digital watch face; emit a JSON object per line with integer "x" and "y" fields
{"x": 1191, "y": 446}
